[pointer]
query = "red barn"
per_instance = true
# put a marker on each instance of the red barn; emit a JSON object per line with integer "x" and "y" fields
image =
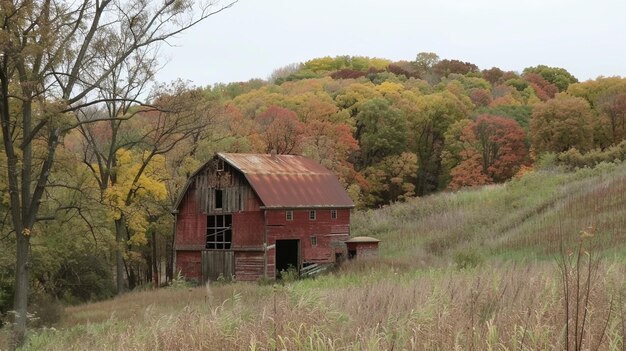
{"x": 248, "y": 216}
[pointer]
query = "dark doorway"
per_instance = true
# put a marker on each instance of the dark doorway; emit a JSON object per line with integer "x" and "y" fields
{"x": 351, "y": 254}
{"x": 287, "y": 254}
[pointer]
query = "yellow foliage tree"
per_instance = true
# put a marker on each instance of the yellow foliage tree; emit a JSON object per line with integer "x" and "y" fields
{"x": 137, "y": 191}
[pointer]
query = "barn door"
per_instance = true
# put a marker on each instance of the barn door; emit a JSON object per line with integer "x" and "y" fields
{"x": 287, "y": 255}
{"x": 216, "y": 263}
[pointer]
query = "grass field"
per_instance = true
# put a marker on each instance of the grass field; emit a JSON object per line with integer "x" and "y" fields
{"x": 535, "y": 264}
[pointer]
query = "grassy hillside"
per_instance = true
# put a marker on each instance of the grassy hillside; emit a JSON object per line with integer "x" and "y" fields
{"x": 471, "y": 270}
{"x": 523, "y": 219}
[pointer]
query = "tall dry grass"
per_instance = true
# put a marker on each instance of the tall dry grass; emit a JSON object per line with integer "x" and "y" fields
{"x": 499, "y": 306}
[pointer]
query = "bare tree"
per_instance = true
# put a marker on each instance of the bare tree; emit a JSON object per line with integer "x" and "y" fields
{"x": 55, "y": 56}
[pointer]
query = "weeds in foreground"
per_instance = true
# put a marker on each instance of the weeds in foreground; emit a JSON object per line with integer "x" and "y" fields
{"x": 495, "y": 305}
{"x": 579, "y": 274}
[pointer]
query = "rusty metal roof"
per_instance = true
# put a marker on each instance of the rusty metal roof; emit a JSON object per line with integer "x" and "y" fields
{"x": 362, "y": 239}
{"x": 289, "y": 181}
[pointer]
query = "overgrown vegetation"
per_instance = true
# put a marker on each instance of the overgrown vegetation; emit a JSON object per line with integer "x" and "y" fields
{"x": 500, "y": 267}
{"x": 106, "y": 172}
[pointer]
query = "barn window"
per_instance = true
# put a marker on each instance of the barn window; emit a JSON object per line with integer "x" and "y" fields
{"x": 218, "y": 199}
{"x": 312, "y": 215}
{"x": 333, "y": 214}
{"x": 220, "y": 165}
{"x": 219, "y": 233}
{"x": 313, "y": 240}
{"x": 289, "y": 215}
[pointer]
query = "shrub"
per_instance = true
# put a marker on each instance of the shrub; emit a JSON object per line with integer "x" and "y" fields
{"x": 46, "y": 311}
{"x": 290, "y": 274}
{"x": 179, "y": 282}
{"x": 467, "y": 259}
{"x": 575, "y": 159}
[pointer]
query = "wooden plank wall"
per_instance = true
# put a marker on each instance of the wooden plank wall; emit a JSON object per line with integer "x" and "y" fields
{"x": 235, "y": 189}
{"x": 216, "y": 262}
{"x": 249, "y": 266}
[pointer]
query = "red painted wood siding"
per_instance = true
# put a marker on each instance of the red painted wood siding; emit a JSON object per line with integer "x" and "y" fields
{"x": 328, "y": 232}
{"x": 364, "y": 250}
{"x": 248, "y": 229}
{"x": 190, "y": 225}
{"x": 189, "y": 263}
{"x": 248, "y": 265}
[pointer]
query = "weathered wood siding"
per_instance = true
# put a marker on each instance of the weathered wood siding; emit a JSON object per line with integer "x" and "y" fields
{"x": 198, "y": 202}
{"x": 216, "y": 263}
{"x": 248, "y": 265}
{"x": 237, "y": 195}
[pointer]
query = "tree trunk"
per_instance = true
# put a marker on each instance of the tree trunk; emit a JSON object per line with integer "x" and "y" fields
{"x": 120, "y": 271}
{"x": 170, "y": 253}
{"x": 155, "y": 268}
{"x": 20, "y": 300}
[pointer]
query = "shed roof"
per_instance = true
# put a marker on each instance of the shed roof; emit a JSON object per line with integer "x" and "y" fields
{"x": 289, "y": 181}
{"x": 362, "y": 239}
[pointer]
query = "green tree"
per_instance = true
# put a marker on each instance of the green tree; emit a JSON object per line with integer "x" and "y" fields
{"x": 607, "y": 97}
{"x": 381, "y": 130}
{"x": 594, "y": 90}
{"x": 434, "y": 115}
{"x": 425, "y": 61}
{"x": 562, "y": 123}
{"x": 555, "y": 75}
{"x": 454, "y": 146}
{"x": 392, "y": 179}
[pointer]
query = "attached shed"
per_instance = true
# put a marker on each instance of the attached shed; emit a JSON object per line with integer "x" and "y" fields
{"x": 248, "y": 215}
{"x": 362, "y": 247}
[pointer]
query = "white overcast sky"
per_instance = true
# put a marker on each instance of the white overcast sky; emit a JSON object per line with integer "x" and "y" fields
{"x": 254, "y": 37}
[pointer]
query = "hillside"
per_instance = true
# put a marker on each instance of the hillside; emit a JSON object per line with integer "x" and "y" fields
{"x": 526, "y": 218}
{"x": 475, "y": 269}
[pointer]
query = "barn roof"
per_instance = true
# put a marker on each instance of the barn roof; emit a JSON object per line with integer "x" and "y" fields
{"x": 362, "y": 239}
{"x": 289, "y": 181}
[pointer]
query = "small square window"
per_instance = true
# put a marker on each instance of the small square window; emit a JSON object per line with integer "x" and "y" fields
{"x": 289, "y": 215}
{"x": 313, "y": 240}
{"x": 333, "y": 214}
{"x": 312, "y": 215}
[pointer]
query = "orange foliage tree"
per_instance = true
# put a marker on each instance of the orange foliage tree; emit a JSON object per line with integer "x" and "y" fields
{"x": 494, "y": 151}
{"x": 281, "y": 130}
{"x": 543, "y": 89}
